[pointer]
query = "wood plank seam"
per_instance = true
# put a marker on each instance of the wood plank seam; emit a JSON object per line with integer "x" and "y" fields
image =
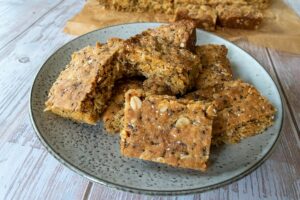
{"x": 30, "y": 178}
{"x": 87, "y": 191}
{"x": 38, "y": 19}
{"x": 2, "y": 108}
{"x": 284, "y": 94}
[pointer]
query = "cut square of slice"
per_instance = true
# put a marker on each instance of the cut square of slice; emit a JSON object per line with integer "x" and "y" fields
{"x": 163, "y": 129}
{"x": 82, "y": 90}
{"x": 171, "y": 69}
{"x": 237, "y": 16}
{"x": 241, "y": 111}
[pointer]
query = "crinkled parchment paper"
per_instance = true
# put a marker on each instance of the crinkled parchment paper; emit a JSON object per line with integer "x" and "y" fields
{"x": 280, "y": 29}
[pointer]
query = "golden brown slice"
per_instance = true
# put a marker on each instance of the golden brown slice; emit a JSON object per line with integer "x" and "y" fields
{"x": 161, "y": 55}
{"x": 171, "y": 69}
{"x": 237, "y": 16}
{"x": 204, "y": 17}
{"x": 215, "y": 66}
{"x": 114, "y": 113}
{"x": 241, "y": 111}
{"x": 163, "y": 129}
{"x": 82, "y": 90}
{"x": 169, "y": 6}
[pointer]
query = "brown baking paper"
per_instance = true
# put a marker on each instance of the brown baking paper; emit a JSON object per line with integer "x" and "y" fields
{"x": 280, "y": 29}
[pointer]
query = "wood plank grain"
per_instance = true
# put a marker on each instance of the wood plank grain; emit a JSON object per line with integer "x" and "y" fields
{"x": 20, "y": 61}
{"x": 18, "y": 15}
{"x": 277, "y": 178}
{"x": 28, "y": 171}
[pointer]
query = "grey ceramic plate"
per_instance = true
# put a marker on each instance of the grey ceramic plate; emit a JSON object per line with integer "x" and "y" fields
{"x": 92, "y": 153}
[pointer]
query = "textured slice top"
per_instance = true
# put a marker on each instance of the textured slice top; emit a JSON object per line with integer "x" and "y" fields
{"x": 215, "y": 66}
{"x": 241, "y": 110}
{"x": 163, "y": 129}
{"x": 74, "y": 92}
{"x": 171, "y": 68}
{"x": 180, "y": 34}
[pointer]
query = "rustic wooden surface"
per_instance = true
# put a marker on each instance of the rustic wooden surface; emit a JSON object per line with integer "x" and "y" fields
{"x": 30, "y": 31}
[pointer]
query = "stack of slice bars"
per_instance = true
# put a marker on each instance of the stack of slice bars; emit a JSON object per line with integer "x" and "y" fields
{"x": 170, "y": 99}
{"x": 242, "y": 14}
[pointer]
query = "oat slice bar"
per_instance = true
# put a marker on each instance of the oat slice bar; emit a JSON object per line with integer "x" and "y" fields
{"x": 162, "y": 56}
{"x": 163, "y": 129}
{"x": 236, "y": 16}
{"x": 241, "y": 111}
{"x": 163, "y": 65}
{"x": 82, "y": 90}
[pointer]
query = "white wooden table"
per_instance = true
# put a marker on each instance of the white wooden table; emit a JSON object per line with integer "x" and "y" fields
{"x": 30, "y": 31}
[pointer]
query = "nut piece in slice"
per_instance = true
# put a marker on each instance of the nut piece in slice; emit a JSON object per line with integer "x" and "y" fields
{"x": 113, "y": 116}
{"x": 163, "y": 129}
{"x": 241, "y": 111}
{"x": 82, "y": 90}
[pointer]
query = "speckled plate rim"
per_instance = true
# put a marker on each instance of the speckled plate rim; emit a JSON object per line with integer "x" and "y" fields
{"x": 89, "y": 176}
